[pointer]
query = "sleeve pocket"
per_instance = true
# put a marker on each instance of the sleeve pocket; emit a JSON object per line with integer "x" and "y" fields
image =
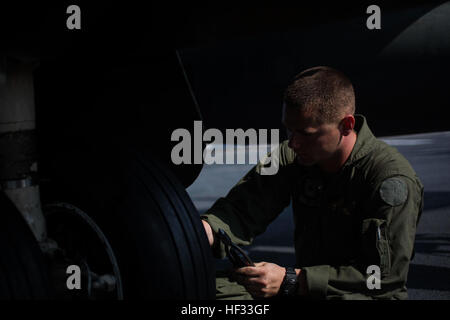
{"x": 375, "y": 244}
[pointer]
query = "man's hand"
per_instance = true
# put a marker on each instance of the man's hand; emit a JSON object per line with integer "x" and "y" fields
{"x": 261, "y": 281}
{"x": 209, "y": 232}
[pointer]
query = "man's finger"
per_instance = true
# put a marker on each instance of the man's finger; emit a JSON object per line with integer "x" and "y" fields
{"x": 246, "y": 281}
{"x": 248, "y": 271}
{"x": 251, "y": 281}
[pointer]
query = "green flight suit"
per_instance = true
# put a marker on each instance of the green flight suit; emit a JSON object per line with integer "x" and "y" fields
{"x": 366, "y": 214}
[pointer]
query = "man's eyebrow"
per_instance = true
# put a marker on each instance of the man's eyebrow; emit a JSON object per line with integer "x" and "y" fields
{"x": 301, "y": 131}
{"x": 304, "y": 131}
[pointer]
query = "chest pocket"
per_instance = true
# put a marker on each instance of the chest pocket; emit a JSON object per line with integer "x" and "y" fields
{"x": 326, "y": 218}
{"x": 308, "y": 200}
{"x": 340, "y": 228}
{"x": 310, "y": 191}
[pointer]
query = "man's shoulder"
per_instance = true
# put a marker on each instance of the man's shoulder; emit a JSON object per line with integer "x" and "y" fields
{"x": 385, "y": 161}
{"x": 388, "y": 175}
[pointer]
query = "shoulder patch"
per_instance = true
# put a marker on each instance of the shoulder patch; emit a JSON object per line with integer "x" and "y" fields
{"x": 394, "y": 191}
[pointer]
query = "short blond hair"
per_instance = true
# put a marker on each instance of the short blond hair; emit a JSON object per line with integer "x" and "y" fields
{"x": 323, "y": 92}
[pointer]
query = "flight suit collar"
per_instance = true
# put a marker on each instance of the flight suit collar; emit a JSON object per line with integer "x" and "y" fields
{"x": 364, "y": 140}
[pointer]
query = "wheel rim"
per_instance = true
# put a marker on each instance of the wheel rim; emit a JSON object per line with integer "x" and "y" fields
{"x": 72, "y": 229}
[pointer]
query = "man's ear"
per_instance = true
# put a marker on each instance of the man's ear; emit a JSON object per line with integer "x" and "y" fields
{"x": 347, "y": 124}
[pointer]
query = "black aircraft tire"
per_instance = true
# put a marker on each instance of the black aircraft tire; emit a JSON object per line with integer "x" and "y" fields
{"x": 23, "y": 273}
{"x": 162, "y": 249}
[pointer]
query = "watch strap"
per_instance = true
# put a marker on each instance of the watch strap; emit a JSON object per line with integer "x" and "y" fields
{"x": 290, "y": 282}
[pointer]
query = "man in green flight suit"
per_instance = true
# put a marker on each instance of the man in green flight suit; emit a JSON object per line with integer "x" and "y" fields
{"x": 356, "y": 203}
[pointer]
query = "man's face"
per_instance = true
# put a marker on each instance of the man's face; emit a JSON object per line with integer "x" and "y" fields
{"x": 312, "y": 142}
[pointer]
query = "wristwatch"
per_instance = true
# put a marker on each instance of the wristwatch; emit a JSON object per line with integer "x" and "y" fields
{"x": 290, "y": 283}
